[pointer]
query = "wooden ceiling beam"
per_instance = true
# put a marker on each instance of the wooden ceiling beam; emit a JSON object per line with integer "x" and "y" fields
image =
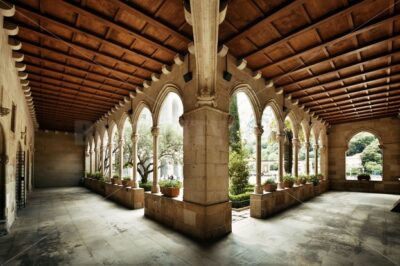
{"x": 65, "y": 106}
{"x": 354, "y": 117}
{"x": 370, "y": 110}
{"x": 346, "y": 88}
{"x": 336, "y": 57}
{"x": 62, "y": 83}
{"x": 265, "y": 20}
{"x": 102, "y": 86}
{"x": 86, "y": 52}
{"x": 318, "y": 106}
{"x": 37, "y": 96}
{"x": 337, "y": 70}
{"x": 116, "y": 73}
{"x": 303, "y": 30}
{"x": 53, "y": 88}
{"x": 120, "y": 28}
{"x": 65, "y": 117}
{"x": 341, "y": 121}
{"x": 33, "y": 14}
{"x": 357, "y": 105}
{"x": 152, "y": 21}
{"x": 329, "y": 43}
{"x": 34, "y": 59}
{"x": 53, "y": 109}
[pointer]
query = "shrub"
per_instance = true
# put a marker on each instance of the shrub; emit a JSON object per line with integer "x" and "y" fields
{"x": 126, "y": 178}
{"x": 115, "y": 176}
{"x": 289, "y": 178}
{"x": 238, "y": 172}
{"x": 363, "y": 177}
{"x": 240, "y": 200}
{"x": 270, "y": 181}
{"x": 301, "y": 178}
{"x": 170, "y": 183}
{"x": 98, "y": 176}
{"x": 320, "y": 176}
{"x": 146, "y": 186}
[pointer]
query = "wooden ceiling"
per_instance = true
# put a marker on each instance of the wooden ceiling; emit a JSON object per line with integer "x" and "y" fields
{"x": 83, "y": 57}
{"x": 340, "y": 59}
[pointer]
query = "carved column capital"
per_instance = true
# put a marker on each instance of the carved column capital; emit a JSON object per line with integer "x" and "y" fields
{"x": 258, "y": 130}
{"x": 155, "y": 131}
{"x": 307, "y": 144}
{"x": 135, "y": 138}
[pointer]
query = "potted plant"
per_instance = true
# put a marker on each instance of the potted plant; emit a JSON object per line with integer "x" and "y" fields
{"x": 364, "y": 176}
{"x": 320, "y": 176}
{"x": 301, "y": 180}
{"x": 126, "y": 181}
{"x": 170, "y": 188}
{"x": 313, "y": 179}
{"x": 288, "y": 181}
{"x": 115, "y": 180}
{"x": 270, "y": 185}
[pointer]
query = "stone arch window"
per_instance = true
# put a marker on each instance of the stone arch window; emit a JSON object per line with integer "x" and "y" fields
{"x": 314, "y": 165}
{"x": 127, "y": 148}
{"x": 242, "y": 140}
{"x": 364, "y": 155}
{"x": 302, "y": 151}
{"x": 144, "y": 123}
{"x": 170, "y": 150}
{"x": 270, "y": 144}
{"x": 115, "y": 158}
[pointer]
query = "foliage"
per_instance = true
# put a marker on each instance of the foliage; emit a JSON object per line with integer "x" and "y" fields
{"x": 170, "y": 148}
{"x": 373, "y": 168}
{"x": 302, "y": 178}
{"x": 371, "y": 154}
{"x": 234, "y": 130}
{"x": 115, "y": 176}
{"x": 363, "y": 177}
{"x": 249, "y": 188}
{"x": 288, "y": 151}
{"x": 289, "y": 178}
{"x": 359, "y": 142}
{"x": 270, "y": 181}
{"x": 238, "y": 172}
{"x": 313, "y": 179}
{"x": 168, "y": 183}
{"x": 146, "y": 186}
{"x": 240, "y": 200}
{"x": 126, "y": 178}
{"x": 98, "y": 176}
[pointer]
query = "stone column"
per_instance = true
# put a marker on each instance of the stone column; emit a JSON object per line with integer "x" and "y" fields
{"x": 121, "y": 156}
{"x": 322, "y": 160}
{"x": 155, "y": 131}
{"x": 96, "y": 158}
{"x": 134, "y": 160}
{"x": 307, "y": 144}
{"x": 296, "y": 146}
{"x": 258, "y": 189}
{"x": 102, "y": 159}
{"x": 316, "y": 147}
{"x": 281, "y": 139}
{"x": 91, "y": 161}
{"x": 110, "y": 159}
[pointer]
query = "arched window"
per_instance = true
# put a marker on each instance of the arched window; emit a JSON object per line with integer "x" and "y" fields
{"x": 364, "y": 156}
{"x": 127, "y": 149}
{"x": 171, "y": 138}
{"x": 302, "y": 152}
{"x": 106, "y": 158}
{"x": 242, "y": 144}
{"x": 115, "y": 164}
{"x": 269, "y": 145}
{"x": 312, "y": 153}
{"x": 288, "y": 147}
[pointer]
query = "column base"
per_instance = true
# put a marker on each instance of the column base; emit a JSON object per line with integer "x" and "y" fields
{"x": 155, "y": 189}
{"x": 198, "y": 221}
{"x": 258, "y": 189}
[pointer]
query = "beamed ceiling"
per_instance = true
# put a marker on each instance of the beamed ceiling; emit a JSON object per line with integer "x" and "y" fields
{"x": 339, "y": 58}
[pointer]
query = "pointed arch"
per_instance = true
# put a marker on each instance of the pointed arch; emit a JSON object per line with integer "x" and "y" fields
{"x": 136, "y": 114}
{"x": 166, "y": 89}
{"x": 251, "y": 95}
{"x": 276, "y": 111}
{"x": 364, "y": 129}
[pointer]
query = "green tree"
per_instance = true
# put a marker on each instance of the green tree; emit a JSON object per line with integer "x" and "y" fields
{"x": 371, "y": 156}
{"x": 359, "y": 142}
{"x": 234, "y": 130}
{"x": 238, "y": 172}
{"x": 288, "y": 151}
{"x": 170, "y": 147}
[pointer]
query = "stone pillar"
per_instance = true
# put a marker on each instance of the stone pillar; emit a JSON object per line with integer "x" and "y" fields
{"x": 121, "y": 156}
{"x": 307, "y": 144}
{"x": 91, "y": 161}
{"x": 155, "y": 131}
{"x": 102, "y": 159}
{"x": 258, "y": 189}
{"x": 281, "y": 139}
{"x": 296, "y": 147}
{"x": 322, "y": 160}
{"x": 110, "y": 158}
{"x": 134, "y": 160}
{"x": 316, "y": 147}
{"x": 96, "y": 158}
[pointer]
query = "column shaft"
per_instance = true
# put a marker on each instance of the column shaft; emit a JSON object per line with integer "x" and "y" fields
{"x": 316, "y": 159}
{"x": 281, "y": 139}
{"x": 155, "y": 131}
{"x": 121, "y": 157}
{"x": 102, "y": 159}
{"x": 134, "y": 160}
{"x": 258, "y": 132}
{"x": 110, "y": 159}
{"x": 296, "y": 156}
{"x": 307, "y": 158}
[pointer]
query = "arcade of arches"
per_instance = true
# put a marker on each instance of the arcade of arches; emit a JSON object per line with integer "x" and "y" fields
{"x": 241, "y": 114}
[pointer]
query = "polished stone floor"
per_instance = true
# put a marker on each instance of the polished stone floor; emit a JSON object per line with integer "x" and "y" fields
{"x": 73, "y": 226}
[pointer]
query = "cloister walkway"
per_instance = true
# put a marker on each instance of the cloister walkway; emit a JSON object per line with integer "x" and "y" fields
{"x": 72, "y": 226}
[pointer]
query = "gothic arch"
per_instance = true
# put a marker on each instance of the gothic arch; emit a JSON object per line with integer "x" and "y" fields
{"x": 251, "y": 95}
{"x": 363, "y": 129}
{"x": 167, "y": 88}
{"x": 293, "y": 122}
{"x": 276, "y": 111}
{"x": 136, "y": 115}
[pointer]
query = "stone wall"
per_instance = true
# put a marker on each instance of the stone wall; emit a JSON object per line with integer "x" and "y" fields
{"x": 388, "y": 132}
{"x": 11, "y": 141}
{"x": 59, "y": 159}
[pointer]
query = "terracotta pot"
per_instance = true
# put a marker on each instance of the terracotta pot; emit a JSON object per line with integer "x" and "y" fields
{"x": 270, "y": 187}
{"x": 170, "y": 191}
{"x": 288, "y": 184}
{"x": 126, "y": 183}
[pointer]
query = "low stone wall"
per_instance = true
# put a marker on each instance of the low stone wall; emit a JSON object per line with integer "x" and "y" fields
{"x": 132, "y": 198}
{"x": 392, "y": 187}
{"x": 201, "y": 222}
{"x": 269, "y": 203}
